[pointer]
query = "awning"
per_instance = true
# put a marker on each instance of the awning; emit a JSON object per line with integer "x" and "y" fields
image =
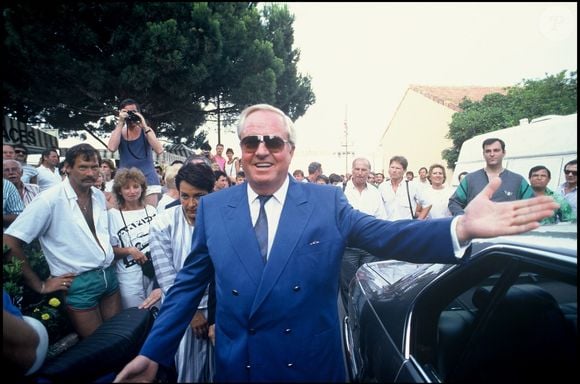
{"x": 35, "y": 140}
{"x": 179, "y": 149}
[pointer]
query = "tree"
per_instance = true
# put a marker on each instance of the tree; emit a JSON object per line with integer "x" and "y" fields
{"x": 554, "y": 95}
{"x": 69, "y": 64}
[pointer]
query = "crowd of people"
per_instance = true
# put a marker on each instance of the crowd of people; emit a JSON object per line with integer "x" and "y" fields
{"x": 181, "y": 238}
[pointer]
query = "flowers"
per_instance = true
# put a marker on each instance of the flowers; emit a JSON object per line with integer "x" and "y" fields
{"x": 54, "y": 302}
{"x": 51, "y": 314}
{"x": 48, "y": 309}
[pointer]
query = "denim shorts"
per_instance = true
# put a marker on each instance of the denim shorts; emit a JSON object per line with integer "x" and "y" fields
{"x": 88, "y": 288}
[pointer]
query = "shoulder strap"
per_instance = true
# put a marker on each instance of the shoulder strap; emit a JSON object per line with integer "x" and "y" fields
{"x": 409, "y": 198}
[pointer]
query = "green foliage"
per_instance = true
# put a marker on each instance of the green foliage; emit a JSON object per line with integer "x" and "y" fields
{"x": 554, "y": 95}
{"x": 12, "y": 275}
{"x": 185, "y": 62}
{"x": 48, "y": 309}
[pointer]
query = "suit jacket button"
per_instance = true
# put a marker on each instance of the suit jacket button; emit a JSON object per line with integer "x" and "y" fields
{"x": 290, "y": 365}
{"x": 287, "y": 330}
{"x": 235, "y": 292}
{"x": 248, "y": 366}
{"x": 252, "y": 331}
{"x": 296, "y": 288}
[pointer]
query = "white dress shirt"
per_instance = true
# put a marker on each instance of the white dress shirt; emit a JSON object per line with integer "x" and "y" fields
{"x": 55, "y": 218}
{"x": 47, "y": 178}
{"x": 273, "y": 209}
{"x": 368, "y": 201}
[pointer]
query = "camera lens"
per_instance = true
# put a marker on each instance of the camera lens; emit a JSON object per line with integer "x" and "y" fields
{"x": 132, "y": 116}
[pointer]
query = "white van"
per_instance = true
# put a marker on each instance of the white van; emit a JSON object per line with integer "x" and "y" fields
{"x": 547, "y": 140}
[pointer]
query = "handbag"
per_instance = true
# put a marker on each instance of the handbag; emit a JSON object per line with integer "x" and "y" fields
{"x": 413, "y": 216}
{"x": 147, "y": 267}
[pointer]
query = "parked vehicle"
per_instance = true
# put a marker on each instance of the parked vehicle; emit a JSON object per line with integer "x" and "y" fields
{"x": 508, "y": 313}
{"x": 548, "y": 140}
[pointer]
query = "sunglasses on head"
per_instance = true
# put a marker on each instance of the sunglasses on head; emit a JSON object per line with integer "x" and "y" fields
{"x": 574, "y": 173}
{"x": 273, "y": 143}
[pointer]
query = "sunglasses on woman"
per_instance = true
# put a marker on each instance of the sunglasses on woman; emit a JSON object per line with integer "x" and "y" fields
{"x": 273, "y": 143}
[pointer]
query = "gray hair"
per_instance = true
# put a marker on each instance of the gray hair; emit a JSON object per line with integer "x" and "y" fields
{"x": 288, "y": 124}
{"x": 13, "y": 162}
{"x": 362, "y": 159}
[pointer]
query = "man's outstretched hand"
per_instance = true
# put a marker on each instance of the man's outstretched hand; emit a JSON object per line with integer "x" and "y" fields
{"x": 484, "y": 218}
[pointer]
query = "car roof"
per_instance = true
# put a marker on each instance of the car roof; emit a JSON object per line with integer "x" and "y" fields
{"x": 561, "y": 238}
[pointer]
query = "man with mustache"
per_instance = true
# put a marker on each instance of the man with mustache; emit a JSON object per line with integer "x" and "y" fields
{"x": 71, "y": 223}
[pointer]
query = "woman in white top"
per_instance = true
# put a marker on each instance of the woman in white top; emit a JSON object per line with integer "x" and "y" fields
{"x": 129, "y": 232}
{"x": 436, "y": 195}
{"x": 232, "y": 166}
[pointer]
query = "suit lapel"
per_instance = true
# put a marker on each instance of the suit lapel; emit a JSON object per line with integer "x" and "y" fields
{"x": 238, "y": 227}
{"x": 295, "y": 215}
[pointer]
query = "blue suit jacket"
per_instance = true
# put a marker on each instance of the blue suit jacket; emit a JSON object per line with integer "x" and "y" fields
{"x": 279, "y": 321}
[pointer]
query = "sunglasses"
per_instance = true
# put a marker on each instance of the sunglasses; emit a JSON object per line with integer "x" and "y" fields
{"x": 574, "y": 173}
{"x": 273, "y": 143}
{"x": 20, "y": 151}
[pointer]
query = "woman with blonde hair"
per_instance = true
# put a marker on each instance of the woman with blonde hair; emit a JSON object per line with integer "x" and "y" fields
{"x": 129, "y": 232}
{"x": 172, "y": 193}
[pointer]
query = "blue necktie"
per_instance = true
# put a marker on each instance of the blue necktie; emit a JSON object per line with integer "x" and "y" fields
{"x": 261, "y": 227}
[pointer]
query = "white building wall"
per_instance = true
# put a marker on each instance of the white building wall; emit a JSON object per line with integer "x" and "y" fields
{"x": 417, "y": 132}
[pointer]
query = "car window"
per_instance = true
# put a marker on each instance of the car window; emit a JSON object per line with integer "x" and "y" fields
{"x": 506, "y": 318}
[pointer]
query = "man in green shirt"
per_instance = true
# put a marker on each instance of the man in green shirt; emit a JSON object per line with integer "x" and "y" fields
{"x": 539, "y": 177}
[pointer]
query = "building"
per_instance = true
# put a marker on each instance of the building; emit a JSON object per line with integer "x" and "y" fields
{"x": 34, "y": 139}
{"x": 420, "y": 124}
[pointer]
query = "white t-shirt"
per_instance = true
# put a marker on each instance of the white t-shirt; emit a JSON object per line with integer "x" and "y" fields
{"x": 438, "y": 199}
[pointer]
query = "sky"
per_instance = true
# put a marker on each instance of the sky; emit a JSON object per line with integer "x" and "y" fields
{"x": 362, "y": 57}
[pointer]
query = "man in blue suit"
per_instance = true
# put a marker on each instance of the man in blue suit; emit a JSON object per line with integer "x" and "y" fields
{"x": 277, "y": 320}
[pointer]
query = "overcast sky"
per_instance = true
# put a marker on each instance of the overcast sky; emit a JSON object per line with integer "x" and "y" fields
{"x": 363, "y": 56}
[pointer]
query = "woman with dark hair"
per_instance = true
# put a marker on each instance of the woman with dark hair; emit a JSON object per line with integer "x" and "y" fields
{"x": 108, "y": 168}
{"x": 232, "y": 166}
{"x": 135, "y": 139}
{"x": 129, "y": 231}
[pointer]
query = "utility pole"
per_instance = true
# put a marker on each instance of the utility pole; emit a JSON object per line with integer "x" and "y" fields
{"x": 346, "y": 152}
{"x": 219, "y": 119}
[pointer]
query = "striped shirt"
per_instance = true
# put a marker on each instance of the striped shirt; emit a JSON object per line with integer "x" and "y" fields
{"x": 11, "y": 201}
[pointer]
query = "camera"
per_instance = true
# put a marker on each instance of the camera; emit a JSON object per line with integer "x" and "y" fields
{"x": 133, "y": 117}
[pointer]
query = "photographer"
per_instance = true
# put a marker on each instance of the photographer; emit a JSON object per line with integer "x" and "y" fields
{"x": 134, "y": 139}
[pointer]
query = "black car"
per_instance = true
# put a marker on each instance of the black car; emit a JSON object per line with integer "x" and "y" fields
{"x": 507, "y": 314}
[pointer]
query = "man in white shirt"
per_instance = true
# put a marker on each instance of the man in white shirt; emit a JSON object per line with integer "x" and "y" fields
{"x": 367, "y": 199}
{"x": 569, "y": 188}
{"x": 401, "y": 198}
{"x": 48, "y": 174}
{"x": 71, "y": 224}
{"x": 29, "y": 173}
